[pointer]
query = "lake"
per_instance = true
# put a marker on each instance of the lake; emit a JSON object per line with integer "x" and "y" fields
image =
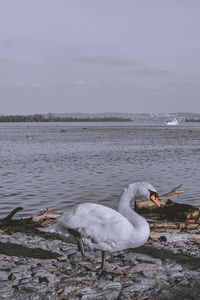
{"x": 57, "y": 165}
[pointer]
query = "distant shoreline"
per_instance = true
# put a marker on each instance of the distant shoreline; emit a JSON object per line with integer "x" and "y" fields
{"x": 192, "y": 120}
{"x": 42, "y": 118}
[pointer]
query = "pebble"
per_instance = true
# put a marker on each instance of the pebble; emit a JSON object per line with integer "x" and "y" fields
{"x": 148, "y": 259}
{"x": 158, "y": 274}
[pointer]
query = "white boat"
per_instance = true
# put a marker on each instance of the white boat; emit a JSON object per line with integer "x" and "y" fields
{"x": 172, "y": 123}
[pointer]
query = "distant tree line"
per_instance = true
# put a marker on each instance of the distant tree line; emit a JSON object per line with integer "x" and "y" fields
{"x": 192, "y": 120}
{"x": 52, "y": 118}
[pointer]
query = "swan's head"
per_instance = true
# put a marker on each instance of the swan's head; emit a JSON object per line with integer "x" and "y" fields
{"x": 149, "y": 192}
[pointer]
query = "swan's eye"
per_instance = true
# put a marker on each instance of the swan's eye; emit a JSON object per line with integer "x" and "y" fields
{"x": 152, "y": 193}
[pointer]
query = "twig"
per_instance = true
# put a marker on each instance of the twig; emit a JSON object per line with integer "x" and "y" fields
{"x": 175, "y": 191}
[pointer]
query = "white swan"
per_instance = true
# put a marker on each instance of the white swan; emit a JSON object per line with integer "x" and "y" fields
{"x": 103, "y": 228}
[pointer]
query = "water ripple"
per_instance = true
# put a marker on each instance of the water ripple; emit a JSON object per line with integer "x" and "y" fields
{"x": 41, "y": 166}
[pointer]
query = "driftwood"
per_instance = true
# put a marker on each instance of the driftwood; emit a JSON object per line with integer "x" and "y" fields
{"x": 173, "y": 225}
{"x": 49, "y": 217}
{"x": 168, "y": 210}
{"x": 28, "y": 224}
{"x": 11, "y": 214}
{"x": 46, "y": 219}
{"x": 167, "y": 236}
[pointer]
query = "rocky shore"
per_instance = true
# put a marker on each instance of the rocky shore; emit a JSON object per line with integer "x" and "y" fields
{"x": 41, "y": 266}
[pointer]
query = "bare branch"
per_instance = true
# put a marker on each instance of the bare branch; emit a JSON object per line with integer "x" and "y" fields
{"x": 174, "y": 191}
{"x": 13, "y": 212}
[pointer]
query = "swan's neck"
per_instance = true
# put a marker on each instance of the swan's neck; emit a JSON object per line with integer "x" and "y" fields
{"x": 124, "y": 203}
{"x": 139, "y": 223}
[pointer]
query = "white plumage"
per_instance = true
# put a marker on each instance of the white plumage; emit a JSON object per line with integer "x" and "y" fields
{"x": 103, "y": 228}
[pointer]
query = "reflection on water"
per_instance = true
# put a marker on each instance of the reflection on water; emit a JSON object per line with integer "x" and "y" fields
{"x": 59, "y": 165}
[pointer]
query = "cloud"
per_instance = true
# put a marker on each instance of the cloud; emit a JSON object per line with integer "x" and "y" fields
{"x": 155, "y": 72}
{"x": 108, "y": 60}
{"x": 5, "y": 61}
{"x": 127, "y": 66}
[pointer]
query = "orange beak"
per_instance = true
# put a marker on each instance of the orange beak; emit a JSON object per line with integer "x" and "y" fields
{"x": 155, "y": 200}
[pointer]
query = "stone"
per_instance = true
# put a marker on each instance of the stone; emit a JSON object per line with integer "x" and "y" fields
{"x": 3, "y": 276}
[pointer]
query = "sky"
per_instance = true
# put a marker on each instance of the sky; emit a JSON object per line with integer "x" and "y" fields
{"x": 95, "y": 56}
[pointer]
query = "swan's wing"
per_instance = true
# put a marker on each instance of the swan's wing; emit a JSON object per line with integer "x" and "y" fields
{"x": 99, "y": 226}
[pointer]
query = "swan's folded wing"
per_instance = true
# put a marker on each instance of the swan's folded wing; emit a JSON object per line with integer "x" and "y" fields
{"x": 100, "y": 227}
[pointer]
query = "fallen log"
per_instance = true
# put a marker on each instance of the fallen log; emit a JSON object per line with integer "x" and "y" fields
{"x": 172, "y": 225}
{"x": 168, "y": 210}
{"x": 174, "y": 211}
{"x": 171, "y": 237}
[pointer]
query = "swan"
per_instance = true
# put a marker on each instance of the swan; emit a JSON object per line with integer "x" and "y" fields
{"x": 103, "y": 228}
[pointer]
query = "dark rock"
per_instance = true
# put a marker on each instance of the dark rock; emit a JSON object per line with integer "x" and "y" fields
{"x": 162, "y": 238}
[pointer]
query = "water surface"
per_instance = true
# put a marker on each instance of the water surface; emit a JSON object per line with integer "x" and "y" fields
{"x": 57, "y": 165}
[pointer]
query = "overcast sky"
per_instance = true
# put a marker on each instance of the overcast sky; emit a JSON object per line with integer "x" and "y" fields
{"x": 99, "y": 56}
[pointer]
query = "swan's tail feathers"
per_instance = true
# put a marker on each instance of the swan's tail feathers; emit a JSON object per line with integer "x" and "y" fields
{"x": 55, "y": 229}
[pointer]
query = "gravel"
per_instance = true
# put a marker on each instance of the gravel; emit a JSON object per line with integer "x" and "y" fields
{"x": 41, "y": 267}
